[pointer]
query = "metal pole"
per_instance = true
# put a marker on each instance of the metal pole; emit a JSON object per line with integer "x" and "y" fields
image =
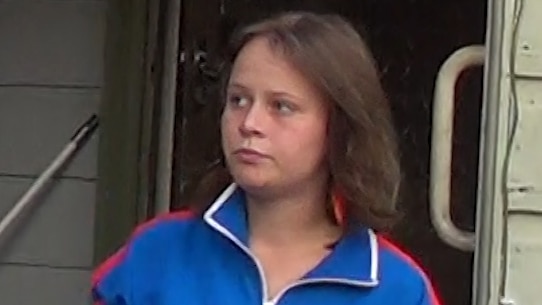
{"x": 167, "y": 113}
{"x": 483, "y": 286}
{"x": 78, "y": 139}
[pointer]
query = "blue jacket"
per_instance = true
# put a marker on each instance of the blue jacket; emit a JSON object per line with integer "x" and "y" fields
{"x": 181, "y": 259}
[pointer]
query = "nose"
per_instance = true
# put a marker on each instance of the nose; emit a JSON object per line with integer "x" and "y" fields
{"x": 253, "y": 121}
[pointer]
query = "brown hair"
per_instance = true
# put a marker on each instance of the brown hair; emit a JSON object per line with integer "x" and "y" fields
{"x": 363, "y": 158}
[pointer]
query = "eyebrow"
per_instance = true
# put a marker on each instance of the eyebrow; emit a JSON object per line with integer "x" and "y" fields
{"x": 274, "y": 93}
{"x": 237, "y": 85}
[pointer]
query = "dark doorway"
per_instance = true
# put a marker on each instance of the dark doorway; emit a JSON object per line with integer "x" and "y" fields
{"x": 410, "y": 40}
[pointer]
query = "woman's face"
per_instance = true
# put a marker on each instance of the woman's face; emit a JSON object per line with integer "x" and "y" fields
{"x": 274, "y": 124}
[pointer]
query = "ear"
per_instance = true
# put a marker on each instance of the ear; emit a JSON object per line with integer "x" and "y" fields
{"x": 338, "y": 203}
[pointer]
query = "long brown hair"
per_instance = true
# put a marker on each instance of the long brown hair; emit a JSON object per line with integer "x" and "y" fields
{"x": 362, "y": 153}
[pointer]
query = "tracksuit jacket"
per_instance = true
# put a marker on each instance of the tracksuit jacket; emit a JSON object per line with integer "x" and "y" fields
{"x": 185, "y": 259}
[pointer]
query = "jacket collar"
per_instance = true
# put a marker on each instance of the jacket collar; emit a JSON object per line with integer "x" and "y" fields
{"x": 353, "y": 261}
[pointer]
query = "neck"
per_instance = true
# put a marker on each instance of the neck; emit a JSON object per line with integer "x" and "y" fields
{"x": 291, "y": 218}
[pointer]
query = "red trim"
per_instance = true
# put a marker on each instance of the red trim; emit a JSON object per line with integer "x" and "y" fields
{"x": 104, "y": 268}
{"x": 114, "y": 260}
{"x": 435, "y": 299}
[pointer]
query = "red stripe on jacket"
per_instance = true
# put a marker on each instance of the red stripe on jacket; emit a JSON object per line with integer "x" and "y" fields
{"x": 114, "y": 260}
{"x": 435, "y": 299}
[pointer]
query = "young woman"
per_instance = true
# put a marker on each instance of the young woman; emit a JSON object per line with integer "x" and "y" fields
{"x": 312, "y": 174}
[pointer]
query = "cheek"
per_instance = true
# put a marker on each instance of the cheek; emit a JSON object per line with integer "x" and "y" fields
{"x": 308, "y": 144}
{"x": 225, "y": 130}
{"x": 318, "y": 142}
{"x": 229, "y": 129}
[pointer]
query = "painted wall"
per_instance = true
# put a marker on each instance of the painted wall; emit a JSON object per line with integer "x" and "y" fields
{"x": 51, "y": 62}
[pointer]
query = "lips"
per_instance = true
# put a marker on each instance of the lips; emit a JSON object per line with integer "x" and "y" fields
{"x": 251, "y": 156}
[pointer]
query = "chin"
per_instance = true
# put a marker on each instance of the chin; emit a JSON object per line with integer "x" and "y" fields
{"x": 250, "y": 183}
{"x": 250, "y": 180}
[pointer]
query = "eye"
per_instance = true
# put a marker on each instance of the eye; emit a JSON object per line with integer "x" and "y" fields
{"x": 284, "y": 107}
{"x": 237, "y": 100}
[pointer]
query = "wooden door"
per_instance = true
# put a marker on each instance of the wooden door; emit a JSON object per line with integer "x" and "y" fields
{"x": 410, "y": 40}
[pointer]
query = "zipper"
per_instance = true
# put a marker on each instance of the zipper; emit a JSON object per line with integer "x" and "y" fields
{"x": 365, "y": 284}
{"x": 239, "y": 244}
{"x": 265, "y": 293}
{"x": 299, "y": 283}
{"x": 276, "y": 299}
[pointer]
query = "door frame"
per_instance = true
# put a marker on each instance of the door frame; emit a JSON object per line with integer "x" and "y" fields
{"x": 128, "y": 117}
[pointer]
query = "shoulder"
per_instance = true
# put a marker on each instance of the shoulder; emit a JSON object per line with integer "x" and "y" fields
{"x": 400, "y": 272}
{"x": 153, "y": 234}
{"x": 167, "y": 225}
{"x": 153, "y": 242}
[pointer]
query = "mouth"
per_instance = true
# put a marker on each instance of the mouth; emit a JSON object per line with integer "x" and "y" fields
{"x": 251, "y": 156}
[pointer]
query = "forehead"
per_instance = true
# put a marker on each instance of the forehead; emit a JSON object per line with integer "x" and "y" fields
{"x": 260, "y": 66}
